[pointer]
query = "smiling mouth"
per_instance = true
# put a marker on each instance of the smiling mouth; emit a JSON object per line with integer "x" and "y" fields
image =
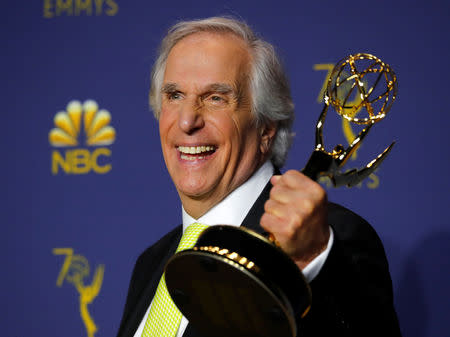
{"x": 195, "y": 152}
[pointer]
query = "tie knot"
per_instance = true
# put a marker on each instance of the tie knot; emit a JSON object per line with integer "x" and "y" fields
{"x": 191, "y": 235}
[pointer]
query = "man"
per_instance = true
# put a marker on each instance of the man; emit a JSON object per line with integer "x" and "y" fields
{"x": 225, "y": 112}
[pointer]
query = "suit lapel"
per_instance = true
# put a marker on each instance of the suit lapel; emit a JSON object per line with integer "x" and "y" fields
{"x": 253, "y": 217}
{"x": 148, "y": 292}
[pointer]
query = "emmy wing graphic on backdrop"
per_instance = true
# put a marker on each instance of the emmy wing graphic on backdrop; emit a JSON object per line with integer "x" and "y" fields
{"x": 243, "y": 284}
{"x": 74, "y": 270}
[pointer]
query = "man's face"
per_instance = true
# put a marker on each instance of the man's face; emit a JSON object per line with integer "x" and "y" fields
{"x": 209, "y": 139}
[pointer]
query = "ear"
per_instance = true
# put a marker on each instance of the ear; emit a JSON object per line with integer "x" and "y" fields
{"x": 268, "y": 132}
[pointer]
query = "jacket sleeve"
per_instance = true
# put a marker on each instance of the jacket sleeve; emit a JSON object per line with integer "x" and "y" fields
{"x": 352, "y": 295}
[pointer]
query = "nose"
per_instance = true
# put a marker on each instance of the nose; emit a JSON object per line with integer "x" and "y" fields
{"x": 190, "y": 118}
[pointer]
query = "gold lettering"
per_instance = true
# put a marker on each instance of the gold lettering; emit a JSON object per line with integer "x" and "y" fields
{"x": 83, "y": 5}
{"x": 67, "y": 261}
{"x": 52, "y": 8}
{"x": 64, "y": 6}
{"x": 59, "y": 161}
{"x": 48, "y": 9}
{"x": 103, "y": 151}
{"x": 325, "y": 181}
{"x": 113, "y": 7}
{"x": 329, "y": 68}
{"x": 80, "y": 162}
{"x": 98, "y": 7}
{"x": 375, "y": 181}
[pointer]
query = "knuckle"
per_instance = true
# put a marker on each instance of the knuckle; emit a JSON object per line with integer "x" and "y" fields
{"x": 278, "y": 193}
{"x": 268, "y": 205}
{"x": 322, "y": 194}
{"x": 307, "y": 206}
{"x": 289, "y": 176}
{"x": 291, "y": 173}
{"x": 264, "y": 220}
{"x": 274, "y": 191}
{"x": 297, "y": 219}
{"x": 319, "y": 192}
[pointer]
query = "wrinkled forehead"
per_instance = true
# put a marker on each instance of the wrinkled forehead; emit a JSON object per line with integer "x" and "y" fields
{"x": 214, "y": 54}
{"x": 207, "y": 36}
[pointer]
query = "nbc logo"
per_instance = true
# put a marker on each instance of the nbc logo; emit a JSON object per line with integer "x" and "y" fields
{"x": 77, "y": 122}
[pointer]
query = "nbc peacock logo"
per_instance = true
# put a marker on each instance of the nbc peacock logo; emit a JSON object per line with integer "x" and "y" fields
{"x": 80, "y": 138}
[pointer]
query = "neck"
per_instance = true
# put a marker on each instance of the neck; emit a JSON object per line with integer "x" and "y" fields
{"x": 196, "y": 207}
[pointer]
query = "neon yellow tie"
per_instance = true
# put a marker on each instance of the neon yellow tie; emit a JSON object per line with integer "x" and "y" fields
{"x": 164, "y": 317}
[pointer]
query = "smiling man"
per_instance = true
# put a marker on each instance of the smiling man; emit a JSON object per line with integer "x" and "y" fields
{"x": 225, "y": 115}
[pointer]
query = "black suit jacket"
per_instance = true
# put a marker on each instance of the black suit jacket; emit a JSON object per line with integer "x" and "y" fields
{"x": 351, "y": 296}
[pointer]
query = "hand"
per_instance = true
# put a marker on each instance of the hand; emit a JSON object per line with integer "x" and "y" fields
{"x": 296, "y": 214}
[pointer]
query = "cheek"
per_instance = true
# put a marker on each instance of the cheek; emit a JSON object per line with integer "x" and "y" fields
{"x": 165, "y": 121}
{"x": 245, "y": 129}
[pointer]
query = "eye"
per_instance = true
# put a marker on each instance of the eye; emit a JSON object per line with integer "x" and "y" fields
{"x": 216, "y": 98}
{"x": 172, "y": 96}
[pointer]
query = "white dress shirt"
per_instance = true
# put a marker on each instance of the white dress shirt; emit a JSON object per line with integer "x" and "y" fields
{"x": 231, "y": 211}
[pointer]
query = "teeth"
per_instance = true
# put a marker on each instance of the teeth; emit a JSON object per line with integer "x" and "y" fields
{"x": 184, "y": 157}
{"x": 195, "y": 149}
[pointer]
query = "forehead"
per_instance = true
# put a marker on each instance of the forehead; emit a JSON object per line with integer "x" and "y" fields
{"x": 207, "y": 57}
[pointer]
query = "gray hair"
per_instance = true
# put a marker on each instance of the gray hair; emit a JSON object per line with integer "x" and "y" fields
{"x": 269, "y": 86}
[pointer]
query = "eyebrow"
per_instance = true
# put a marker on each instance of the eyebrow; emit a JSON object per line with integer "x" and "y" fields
{"x": 221, "y": 88}
{"x": 169, "y": 87}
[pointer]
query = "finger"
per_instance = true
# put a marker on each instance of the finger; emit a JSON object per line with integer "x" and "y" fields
{"x": 267, "y": 220}
{"x": 296, "y": 179}
{"x": 286, "y": 179}
{"x": 297, "y": 197}
{"x": 293, "y": 217}
{"x": 272, "y": 224}
{"x": 283, "y": 235}
{"x": 274, "y": 208}
{"x": 282, "y": 193}
{"x": 274, "y": 180}
{"x": 283, "y": 216}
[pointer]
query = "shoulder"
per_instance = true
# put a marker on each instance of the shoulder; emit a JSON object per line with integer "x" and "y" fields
{"x": 340, "y": 215}
{"x": 353, "y": 232}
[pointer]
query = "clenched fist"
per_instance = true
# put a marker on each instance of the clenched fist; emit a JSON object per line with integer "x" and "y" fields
{"x": 296, "y": 214}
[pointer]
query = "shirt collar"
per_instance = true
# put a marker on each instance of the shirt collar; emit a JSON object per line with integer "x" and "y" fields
{"x": 233, "y": 209}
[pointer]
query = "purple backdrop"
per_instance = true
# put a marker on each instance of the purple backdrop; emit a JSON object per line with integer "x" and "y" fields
{"x": 107, "y": 202}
